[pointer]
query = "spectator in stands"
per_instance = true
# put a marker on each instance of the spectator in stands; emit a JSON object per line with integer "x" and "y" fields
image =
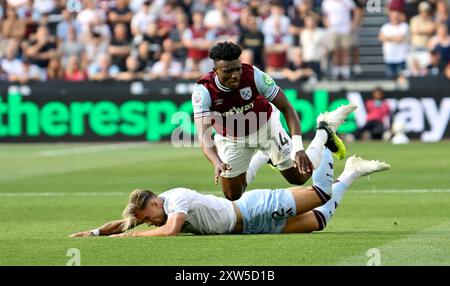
{"x": 70, "y": 46}
{"x": 87, "y": 16}
{"x": 276, "y": 18}
{"x": 213, "y": 17}
{"x": 296, "y": 69}
{"x": 10, "y": 64}
{"x": 338, "y": 21}
{"x": 378, "y": 117}
{"x": 441, "y": 15}
{"x": 55, "y": 70}
{"x": 167, "y": 17}
{"x": 194, "y": 39}
{"x": 422, "y": 29}
{"x": 68, "y": 21}
{"x": 29, "y": 72}
{"x": 313, "y": 44}
{"x": 394, "y": 36}
{"x": 120, "y": 14}
{"x": 95, "y": 46}
{"x": 357, "y": 20}
{"x": 276, "y": 44}
{"x": 44, "y": 7}
{"x": 41, "y": 49}
{"x": 142, "y": 19}
{"x": 176, "y": 37}
{"x": 30, "y": 16}
{"x": 166, "y": 68}
{"x": 143, "y": 57}
{"x": 154, "y": 39}
{"x": 132, "y": 72}
{"x": 11, "y": 28}
{"x": 441, "y": 44}
{"x": 102, "y": 69}
{"x": 300, "y": 11}
{"x": 226, "y": 31}
{"x": 253, "y": 39}
{"x": 435, "y": 67}
{"x": 73, "y": 70}
{"x": 120, "y": 46}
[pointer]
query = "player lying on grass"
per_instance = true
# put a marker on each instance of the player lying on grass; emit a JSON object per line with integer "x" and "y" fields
{"x": 293, "y": 210}
{"x": 243, "y": 105}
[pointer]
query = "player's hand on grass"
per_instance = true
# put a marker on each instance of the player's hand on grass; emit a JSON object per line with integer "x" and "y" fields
{"x": 219, "y": 169}
{"x": 82, "y": 234}
{"x": 303, "y": 163}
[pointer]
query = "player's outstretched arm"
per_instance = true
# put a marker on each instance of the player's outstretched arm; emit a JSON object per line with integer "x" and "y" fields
{"x": 204, "y": 129}
{"x": 302, "y": 161}
{"x": 113, "y": 227}
{"x": 172, "y": 227}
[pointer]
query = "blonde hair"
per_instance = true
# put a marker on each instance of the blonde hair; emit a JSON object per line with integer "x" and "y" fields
{"x": 137, "y": 201}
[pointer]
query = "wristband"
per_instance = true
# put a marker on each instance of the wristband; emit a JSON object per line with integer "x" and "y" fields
{"x": 297, "y": 145}
{"x": 95, "y": 232}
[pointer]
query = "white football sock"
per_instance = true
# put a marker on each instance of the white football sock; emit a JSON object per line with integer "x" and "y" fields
{"x": 314, "y": 150}
{"x": 323, "y": 176}
{"x": 258, "y": 160}
{"x": 348, "y": 177}
{"x": 326, "y": 211}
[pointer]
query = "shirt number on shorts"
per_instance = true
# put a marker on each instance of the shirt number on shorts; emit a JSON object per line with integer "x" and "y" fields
{"x": 283, "y": 141}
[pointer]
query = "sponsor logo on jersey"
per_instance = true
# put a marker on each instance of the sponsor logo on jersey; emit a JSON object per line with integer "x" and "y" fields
{"x": 268, "y": 80}
{"x": 246, "y": 93}
{"x": 236, "y": 110}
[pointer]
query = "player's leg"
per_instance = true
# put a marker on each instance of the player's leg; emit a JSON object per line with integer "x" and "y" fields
{"x": 279, "y": 147}
{"x": 327, "y": 124}
{"x": 238, "y": 156}
{"x": 308, "y": 198}
{"x": 317, "y": 219}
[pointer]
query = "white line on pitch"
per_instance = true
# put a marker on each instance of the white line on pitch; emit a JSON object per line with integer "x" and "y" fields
{"x": 92, "y": 149}
{"x": 61, "y": 194}
{"x": 218, "y": 193}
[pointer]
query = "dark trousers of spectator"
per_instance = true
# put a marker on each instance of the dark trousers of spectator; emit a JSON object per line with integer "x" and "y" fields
{"x": 375, "y": 128}
{"x": 315, "y": 66}
{"x": 393, "y": 70}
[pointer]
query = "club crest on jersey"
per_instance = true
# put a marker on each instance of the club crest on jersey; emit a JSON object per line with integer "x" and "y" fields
{"x": 246, "y": 93}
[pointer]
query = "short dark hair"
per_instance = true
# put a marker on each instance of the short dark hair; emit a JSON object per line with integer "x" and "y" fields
{"x": 226, "y": 51}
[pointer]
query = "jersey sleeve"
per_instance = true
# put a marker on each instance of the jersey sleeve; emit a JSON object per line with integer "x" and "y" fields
{"x": 178, "y": 203}
{"x": 265, "y": 84}
{"x": 201, "y": 101}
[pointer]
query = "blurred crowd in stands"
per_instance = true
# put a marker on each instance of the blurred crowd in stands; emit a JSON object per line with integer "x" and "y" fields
{"x": 77, "y": 40}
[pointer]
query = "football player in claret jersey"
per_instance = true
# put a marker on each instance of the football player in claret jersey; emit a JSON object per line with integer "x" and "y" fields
{"x": 237, "y": 101}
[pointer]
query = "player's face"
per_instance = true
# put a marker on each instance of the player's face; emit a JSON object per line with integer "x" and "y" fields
{"x": 152, "y": 214}
{"x": 229, "y": 73}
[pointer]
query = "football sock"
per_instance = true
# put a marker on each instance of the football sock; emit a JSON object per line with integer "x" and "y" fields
{"x": 258, "y": 160}
{"x": 325, "y": 212}
{"x": 314, "y": 150}
{"x": 348, "y": 177}
{"x": 322, "y": 177}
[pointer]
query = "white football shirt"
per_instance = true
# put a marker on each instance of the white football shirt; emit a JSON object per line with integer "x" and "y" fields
{"x": 205, "y": 214}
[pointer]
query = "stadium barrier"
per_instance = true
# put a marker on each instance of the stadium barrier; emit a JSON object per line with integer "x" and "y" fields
{"x": 151, "y": 111}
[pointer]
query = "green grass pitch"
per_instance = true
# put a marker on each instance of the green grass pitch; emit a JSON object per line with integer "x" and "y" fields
{"x": 48, "y": 191}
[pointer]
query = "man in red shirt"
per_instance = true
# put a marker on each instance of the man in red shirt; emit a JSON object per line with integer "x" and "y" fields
{"x": 378, "y": 116}
{"x": 235, "y": 100}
